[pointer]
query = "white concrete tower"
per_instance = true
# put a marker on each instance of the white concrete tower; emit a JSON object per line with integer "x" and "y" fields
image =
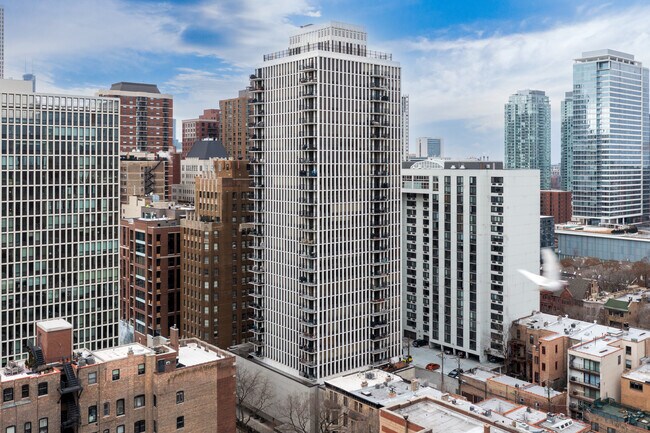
{"x": 326, "y": 146}
{"x": 2, "y": 42}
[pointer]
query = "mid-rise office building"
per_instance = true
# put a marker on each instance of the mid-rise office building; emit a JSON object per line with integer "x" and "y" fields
{"x": 546, "y": 232}
{"x": 146, "y": 117}
{"x": 215, "y": 255}
{"x": 428, "y": 147}
{"x": 150, "y": 272}
{"x": 566, "y": 141}
{"x": 557, "y": 204}
{"x": 234, "y": 124}
{"x": 610, "y": 138}
{"x": 469, "y": 226}
{"x": 207, "y": 125}
{"x": 527, "y": 133}
{"x": 60, "y": 216}
{"x": 326, "y": 148}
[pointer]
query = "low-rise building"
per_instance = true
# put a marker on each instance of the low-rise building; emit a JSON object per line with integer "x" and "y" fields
{"x": 635, "y": 388}
{"x": 557, "y": 204}
{"x": 607, "y": 415}
{"x": 452, "y": 415}
{"x": 145, "y": 175}
{"x": 168, "y": 386}
{"x": 625, "y": 244}
{"x": 478, "y": 385}
{"x": 595, "y": 367}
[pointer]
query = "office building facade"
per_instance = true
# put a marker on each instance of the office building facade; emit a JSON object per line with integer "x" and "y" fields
{"x": 428, "y": 147}
{"x": 610, "y": 138}
{"x": 60, "y": 216}
{"x": 527, "y": 133}
{"x": 326, "y": 144}
{"x": 556, "y": 204}
{"x": 462, "y": 247}
{"x": 566, "y": 142}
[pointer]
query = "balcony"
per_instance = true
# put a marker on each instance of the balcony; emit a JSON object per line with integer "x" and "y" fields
{"x": 309, "y": 337}
{"x": 308, "y": 94}
{"x": 379, "y": 337}
{"x": 379, "y": 350}
{"x": 307, "y": 107}
{"x": 308, "y": 67}
{"x": 308, "y": 322}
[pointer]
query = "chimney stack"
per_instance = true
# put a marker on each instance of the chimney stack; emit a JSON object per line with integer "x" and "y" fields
{"x": 174, "y": 338}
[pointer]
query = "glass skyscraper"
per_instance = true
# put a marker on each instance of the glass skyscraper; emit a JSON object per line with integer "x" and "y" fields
{"x": 527, "y": 136}
{"x": 610, "y": 138}
{"x": 566, "y": 143}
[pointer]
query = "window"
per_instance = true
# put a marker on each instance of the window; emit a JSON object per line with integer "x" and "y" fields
{"x": 119, "y": 407}
{"x": 180, "y": 397}
{"x": 92, "y": 414}
{"x": 543, "y": 366}
{"x": 628, "y": 350}
{"x": 619, "y": 359}
{"x": 42, "y": 425}
{"x": 27, "y": 427}
{"x": 180, "y": 422}
{"x": 140, "y": 368}
{"x": 7, "y": 394}
{"x": 42, "y": 390}
{"x": 116, "y": 374}
{"x": 12, "y": 428}
{"x": 636, "y": 386}
{"x": 107, "y": 409}
{"x": 139, "y": 427}
{"x": 106, "y": 431}
{"x": 92, "y": 377}
{"x": 138, "y": 401}
{"x": 543, "y": 350}
{"x": 595, "y": 426}
{"x": 120, "y": 429}
{"x": 155, "y": 401}
{"x": 24, "y": 391}
{"x": 611, "y": 430}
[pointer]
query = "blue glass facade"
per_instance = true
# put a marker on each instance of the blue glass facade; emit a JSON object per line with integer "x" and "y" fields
{"x": 609, "y": 138}
{"x": 604, "y": 247}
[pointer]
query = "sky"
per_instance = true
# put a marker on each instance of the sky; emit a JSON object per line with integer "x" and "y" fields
{"x": 460, "y": 59}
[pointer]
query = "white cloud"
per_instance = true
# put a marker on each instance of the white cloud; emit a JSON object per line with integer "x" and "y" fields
{"x": 469, "y": 80}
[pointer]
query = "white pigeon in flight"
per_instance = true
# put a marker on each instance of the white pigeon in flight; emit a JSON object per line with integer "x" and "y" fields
{"x": 550, "y": 278}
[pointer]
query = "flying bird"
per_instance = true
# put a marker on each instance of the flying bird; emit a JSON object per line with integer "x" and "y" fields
{"x": 550, "y": 278}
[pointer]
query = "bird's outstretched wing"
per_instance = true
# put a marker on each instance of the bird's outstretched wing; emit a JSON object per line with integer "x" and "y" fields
{"x": 537, "y": 279}
{"x": 550, "y": 265}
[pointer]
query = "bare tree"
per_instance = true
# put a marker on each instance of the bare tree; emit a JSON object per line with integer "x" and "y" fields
{"x": 328, "y": 417}
{"x": 254, "y": 395}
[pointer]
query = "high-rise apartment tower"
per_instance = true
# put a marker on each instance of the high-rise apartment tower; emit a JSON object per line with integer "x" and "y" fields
{"x": 610, "y": 138}
{"x": 566, "y": 141}
{"x": 469, "y": 226}
{"x": 60, "y": 216}
{"x": 326, "y": 146}
{"x": 527, "y": 133}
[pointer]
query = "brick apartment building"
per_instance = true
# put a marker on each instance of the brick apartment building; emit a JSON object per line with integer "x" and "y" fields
{"x": 167, "y": 387}
{"x": 145, "y": 117}
{"x": 144, "y": 175}
{"x": 234, "y": 121}
{"x": 207, "y": 125}
{"x": 557, "y": 204}
{"x": 150, "y": 271}
{"x": 214, "y": 255}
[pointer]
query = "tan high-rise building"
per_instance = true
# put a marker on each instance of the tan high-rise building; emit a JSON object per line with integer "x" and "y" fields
{"x": 234, "y": 117}
{"x": 214, "y": 256}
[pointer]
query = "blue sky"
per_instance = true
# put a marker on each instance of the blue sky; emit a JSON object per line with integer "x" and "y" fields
{"x": 461, "y": 59}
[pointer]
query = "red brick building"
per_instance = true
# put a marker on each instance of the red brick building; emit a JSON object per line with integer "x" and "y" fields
{"x": 169, "y": 386}
{"x": 207, "y": 125}
{"x": 557, "y": 204}
{"x": 146, "y": 117}
{"x": 150, "y": 272}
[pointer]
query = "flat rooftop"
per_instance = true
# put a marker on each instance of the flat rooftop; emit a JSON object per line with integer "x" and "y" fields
{"x": 562, "y": 325}
{"x": 429, "y": 414}
{"x": 599, "y": 347}
{"x": 640, "y": 374}
{"x": 121, "y": 352}
{"x": 379, "y": 387}
{"x": 54, "y": 325}
{"x": 194, "y": 354}
{"x": 582, "y": 230}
